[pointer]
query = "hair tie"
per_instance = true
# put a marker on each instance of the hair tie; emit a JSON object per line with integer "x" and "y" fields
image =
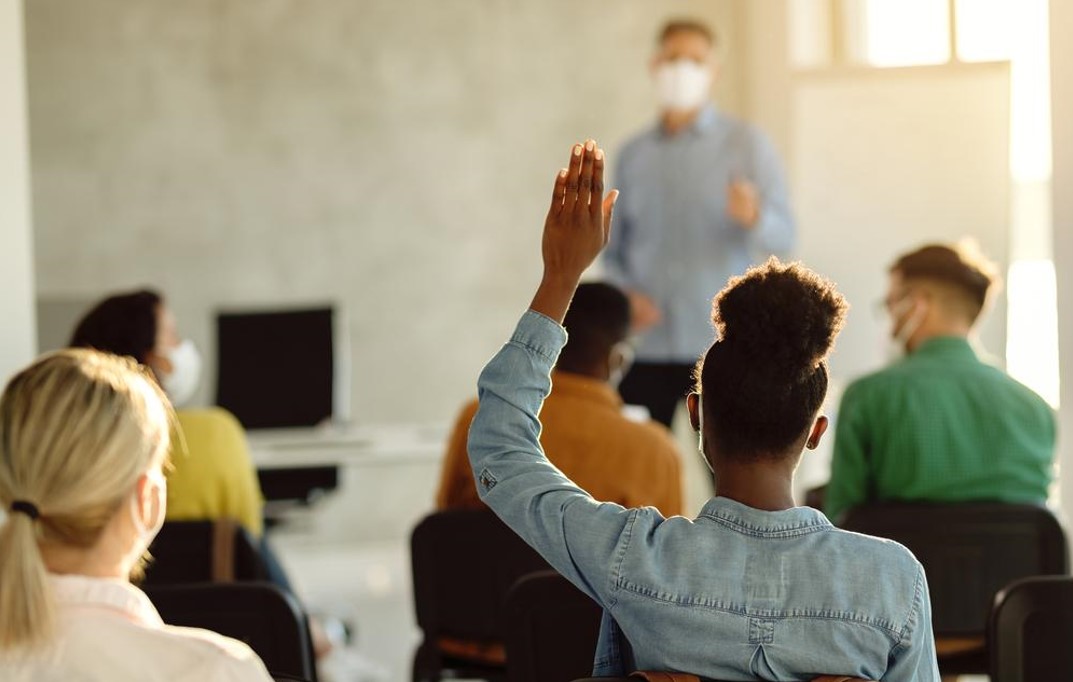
{"x": 28, "y": 508}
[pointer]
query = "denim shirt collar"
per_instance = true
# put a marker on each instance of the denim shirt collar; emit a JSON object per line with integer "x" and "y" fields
{"x": 750, "y": 521}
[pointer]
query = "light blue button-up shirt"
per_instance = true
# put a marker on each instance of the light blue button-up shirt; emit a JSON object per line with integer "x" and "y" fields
{"x": 672, "y": 238}
{"x": 735, "y": 594}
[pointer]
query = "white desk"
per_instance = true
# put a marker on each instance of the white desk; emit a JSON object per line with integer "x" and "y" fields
{"x": 387, "y": 479}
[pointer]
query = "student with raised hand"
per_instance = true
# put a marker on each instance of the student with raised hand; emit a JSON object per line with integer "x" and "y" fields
{"x": 84, "y": 437}
{"x": 753, "y": 586}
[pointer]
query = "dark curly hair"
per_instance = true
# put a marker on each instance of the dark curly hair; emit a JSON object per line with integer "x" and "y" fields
{"x": 765, "y": 376}
{"x": 124, "y": 324}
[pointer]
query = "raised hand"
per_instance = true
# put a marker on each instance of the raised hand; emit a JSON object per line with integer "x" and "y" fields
{"x": 576, "y": 230}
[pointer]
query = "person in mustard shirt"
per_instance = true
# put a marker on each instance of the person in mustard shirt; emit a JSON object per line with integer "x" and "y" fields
{"x": 586, "y": 433}
{"x": 213, "y": 474}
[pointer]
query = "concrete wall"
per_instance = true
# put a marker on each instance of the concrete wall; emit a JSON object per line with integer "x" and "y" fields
{"x": 1061, "y": 115}
{"x": 17, "y": 337}
{"x": 392, "y": 155}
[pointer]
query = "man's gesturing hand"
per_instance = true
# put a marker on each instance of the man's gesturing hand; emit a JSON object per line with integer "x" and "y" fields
{"x": 576, "y": 230}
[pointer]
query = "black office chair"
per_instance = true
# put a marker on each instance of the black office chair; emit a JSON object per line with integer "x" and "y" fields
{"x": 464, "y": 562}
{"x": 969, "y": 551}
{"x": 550, "y": 630}
{"x": 266, "y": 618}
{"x": 651, "y": 677}
{"x": 203, "y": 551}
{"x": 1030, "y": 631}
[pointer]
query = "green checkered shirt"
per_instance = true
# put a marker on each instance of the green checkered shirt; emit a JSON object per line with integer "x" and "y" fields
{"x": 940, "y": 425}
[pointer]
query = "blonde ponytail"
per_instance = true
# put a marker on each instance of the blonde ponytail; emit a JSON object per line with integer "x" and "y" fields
{"x": 25, "y": 604}
{"x": 77, "y": 429}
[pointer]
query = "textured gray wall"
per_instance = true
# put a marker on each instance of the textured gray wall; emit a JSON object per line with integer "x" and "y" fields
{"x": 394, "y": 156}
{"x": 16, "y": 260}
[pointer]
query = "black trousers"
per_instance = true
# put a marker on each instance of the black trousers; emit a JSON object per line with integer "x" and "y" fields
{"x": 658, "y": 386}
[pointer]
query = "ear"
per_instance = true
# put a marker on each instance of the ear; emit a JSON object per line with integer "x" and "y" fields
{"x": 693, "y": 408}
{"x": 143, "y": 495}
{"x": 818, "y": 429}
{"x": 653, "y": 64}
{"x": 159, "y": 363}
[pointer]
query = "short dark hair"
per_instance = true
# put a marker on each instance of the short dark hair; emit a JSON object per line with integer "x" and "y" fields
{"x": 686, "y": 24}
{"x": 959, "y": 267}
{"x": 123, "y": 324}
{"x": 598, "y": 318}
{"x": 765, "y": 377}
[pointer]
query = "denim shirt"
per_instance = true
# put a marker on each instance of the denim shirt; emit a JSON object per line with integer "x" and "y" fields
{"x": 735, "y": 594}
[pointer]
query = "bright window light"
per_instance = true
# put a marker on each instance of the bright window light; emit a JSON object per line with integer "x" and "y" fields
{"x": 986, "y": 29}
{"x": 904, "y": 32}
{"x": 1032, "y": 335}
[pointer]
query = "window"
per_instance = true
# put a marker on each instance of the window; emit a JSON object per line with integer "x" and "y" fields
{"x": 897, "y": 32}
{"x": 903, "y": 33}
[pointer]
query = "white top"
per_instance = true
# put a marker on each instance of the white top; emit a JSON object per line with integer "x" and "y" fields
{"x": 108, "y": 630}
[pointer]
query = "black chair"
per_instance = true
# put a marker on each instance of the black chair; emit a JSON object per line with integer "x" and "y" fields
{"x": 656, "y": 676}
{"x": 1030, "y": 631}
{"x": 969, "y": 551}
{"x": 550, "y": 631}
{"x": 203, "y": 551}
{"x": 266, "y": 618}
{"x": 464, "y": 562}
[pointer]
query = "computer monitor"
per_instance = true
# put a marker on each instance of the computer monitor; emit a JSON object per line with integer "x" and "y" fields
{"x": 280, "y": 368}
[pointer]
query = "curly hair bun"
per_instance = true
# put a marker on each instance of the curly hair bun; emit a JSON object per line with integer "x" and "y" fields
{"x": 783, "y": 315}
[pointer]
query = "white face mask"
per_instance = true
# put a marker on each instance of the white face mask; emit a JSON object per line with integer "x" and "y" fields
{"x": 146, "y": 533}
{"x": 900, "y": 335}
{"x": 683, "y": 85}
{"x": 624, "y": 353}
{"x": 182, "y": 382}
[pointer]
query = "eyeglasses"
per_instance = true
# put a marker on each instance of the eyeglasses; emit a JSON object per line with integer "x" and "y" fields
{"x": 885, "y": 306}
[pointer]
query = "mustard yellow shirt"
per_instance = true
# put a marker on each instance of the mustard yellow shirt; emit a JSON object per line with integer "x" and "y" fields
{"x": 586, "y": 435}
{"x": 214, "y": 476}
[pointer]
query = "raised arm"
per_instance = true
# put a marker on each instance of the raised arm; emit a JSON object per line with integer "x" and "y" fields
{"x": 576, "y": 230}
{"x": 580, "y": 537}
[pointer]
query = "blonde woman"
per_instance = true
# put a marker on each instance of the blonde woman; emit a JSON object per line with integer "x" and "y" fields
{"x": 83, "y": 440}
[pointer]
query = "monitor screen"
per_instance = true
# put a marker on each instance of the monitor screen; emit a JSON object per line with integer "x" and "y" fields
{"x": 276, "y": 369}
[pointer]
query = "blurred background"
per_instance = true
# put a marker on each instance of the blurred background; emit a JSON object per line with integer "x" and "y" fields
{"x": 391, "y": 160}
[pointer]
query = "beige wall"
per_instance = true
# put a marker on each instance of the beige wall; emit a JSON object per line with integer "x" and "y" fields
{"x": 17, "y": 337}
{"x": 392, "y": 155}
{"x": 1062, "y": 114}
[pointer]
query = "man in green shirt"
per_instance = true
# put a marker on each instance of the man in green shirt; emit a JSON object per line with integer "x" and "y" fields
{"x": 939, "y": 425}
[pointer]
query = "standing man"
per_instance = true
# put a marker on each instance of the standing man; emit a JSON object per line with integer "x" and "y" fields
{"x": 703, "y": 198}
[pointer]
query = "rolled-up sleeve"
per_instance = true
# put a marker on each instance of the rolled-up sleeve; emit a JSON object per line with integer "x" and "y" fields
{"x": 581, "y": 538}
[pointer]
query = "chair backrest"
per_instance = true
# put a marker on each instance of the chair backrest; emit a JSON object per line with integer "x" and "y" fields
{"x": 203, "y": 551}
{"x": 550, "y": 630}
{"x": 969, "y": 552}
{"x": 1031, "y": 631}
{"x": 263, "y": 616}
{"x": 673, "y": 677}
{"x": 464, "y": 562}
